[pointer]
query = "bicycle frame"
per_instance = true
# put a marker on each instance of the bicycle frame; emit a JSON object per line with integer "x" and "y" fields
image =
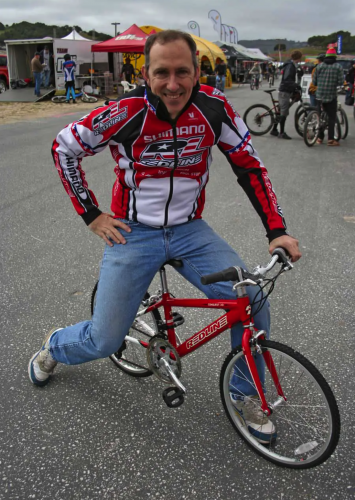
{"x": 238, "y": 310}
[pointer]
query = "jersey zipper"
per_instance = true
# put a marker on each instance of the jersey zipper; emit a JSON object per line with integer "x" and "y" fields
{"x": 166, "y": 218}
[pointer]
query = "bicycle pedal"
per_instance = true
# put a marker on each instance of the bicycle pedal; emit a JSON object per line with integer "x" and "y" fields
{"x": 173, "y": 397}
{"x": 178, "y": 320}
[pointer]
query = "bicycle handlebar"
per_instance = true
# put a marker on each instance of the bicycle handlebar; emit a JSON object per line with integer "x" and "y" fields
{"x": 231, "y": 273}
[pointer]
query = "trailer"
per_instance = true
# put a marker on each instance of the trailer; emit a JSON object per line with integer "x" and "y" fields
{"x": 21, "y": 52}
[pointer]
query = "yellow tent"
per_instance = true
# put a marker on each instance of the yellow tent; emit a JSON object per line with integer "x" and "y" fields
{"x": 208, "y": 54}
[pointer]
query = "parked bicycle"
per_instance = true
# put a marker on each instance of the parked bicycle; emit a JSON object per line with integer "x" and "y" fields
{"x": 316, "y": 123}
{"x": 294, "y": 395}
{"x": 260, "y": 118}
{"x": 81, "y": 95}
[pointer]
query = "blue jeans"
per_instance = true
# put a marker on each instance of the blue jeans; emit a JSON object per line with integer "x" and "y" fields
{"x": 125, "y": 275}
{"x": 46, "y": 74}
{"x": 312, "y": 100}
{"x": 38, "y": 77}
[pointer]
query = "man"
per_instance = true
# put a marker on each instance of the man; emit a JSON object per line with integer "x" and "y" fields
{"x": 69, "y": 67}
{"x": 256, "y": 71}
{"x": 37, "y": 69}
{"x": 350, "y": 79}
{"x": 220, "y": 72}
{"x": 161, "y": 138}
{"x": 312, "y": 88}
{"x": 327, "y": 78}
{"x": 288, "y": 88}
{"x": 271, "y": 71}
{"x": 45, "y": 58}
{"x": 127, "y": 70}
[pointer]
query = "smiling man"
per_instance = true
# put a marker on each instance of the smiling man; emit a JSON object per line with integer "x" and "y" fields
{"x": 160, "y": 138}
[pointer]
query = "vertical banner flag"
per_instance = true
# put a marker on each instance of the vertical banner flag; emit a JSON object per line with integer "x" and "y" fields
{"x": 225, "y": 31}
{"x": 235, "y": 35}
{"x": 231, "y": 34}
{"x": 215, "y": 16}
{"x": 340, "y": 44}
{"x": 194, "y": 28}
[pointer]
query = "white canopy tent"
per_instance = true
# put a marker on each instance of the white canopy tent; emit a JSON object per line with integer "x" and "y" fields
{"x": 74, "y": 35}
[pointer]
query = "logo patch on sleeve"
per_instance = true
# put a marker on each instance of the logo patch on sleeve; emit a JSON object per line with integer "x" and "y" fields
{"x": 109, "y": 117}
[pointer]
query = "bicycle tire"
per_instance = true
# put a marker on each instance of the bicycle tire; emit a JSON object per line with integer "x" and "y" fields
{"x": 305, "y": 438}
{"x": 59, "y": 98}
{"x": 344, "y": 123}
{"x": 337, "y": 130}
{"x": 88, "y": 98}
{"x": 257, "y": 119}
{"x": 311, "y": 128}
{"x": 252, "y": 86}
{"x": 131, "y": 358}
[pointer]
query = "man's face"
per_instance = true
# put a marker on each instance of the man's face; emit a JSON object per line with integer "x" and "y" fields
{"x": 171, "y": 74}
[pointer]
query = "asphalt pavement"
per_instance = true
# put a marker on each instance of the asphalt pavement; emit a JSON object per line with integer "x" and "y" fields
{"x": 95, "y": 433}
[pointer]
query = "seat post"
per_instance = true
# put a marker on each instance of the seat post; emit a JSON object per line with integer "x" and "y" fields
{"x": 163, "y": 280}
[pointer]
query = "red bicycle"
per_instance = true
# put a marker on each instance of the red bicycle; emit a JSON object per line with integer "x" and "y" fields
{"x": 295, "y": 397}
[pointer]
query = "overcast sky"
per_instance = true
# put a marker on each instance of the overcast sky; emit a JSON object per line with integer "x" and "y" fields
{"x": 294, "y": 20}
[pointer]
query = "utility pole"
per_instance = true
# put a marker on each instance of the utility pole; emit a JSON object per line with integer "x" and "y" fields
{"x": 115, "y": 57}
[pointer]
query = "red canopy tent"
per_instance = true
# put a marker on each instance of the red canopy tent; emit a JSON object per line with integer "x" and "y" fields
{"x": 131, "y": 40}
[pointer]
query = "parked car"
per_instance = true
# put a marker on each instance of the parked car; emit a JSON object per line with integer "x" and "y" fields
{"x": 4, "y": 73}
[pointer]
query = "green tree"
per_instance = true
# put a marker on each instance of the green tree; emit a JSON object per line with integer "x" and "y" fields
{"x": 280, "y": 46}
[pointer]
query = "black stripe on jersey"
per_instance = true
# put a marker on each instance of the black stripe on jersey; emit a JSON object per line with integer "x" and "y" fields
{"x": 130, "y": 132}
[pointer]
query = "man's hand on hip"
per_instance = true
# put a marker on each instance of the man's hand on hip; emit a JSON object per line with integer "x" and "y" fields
{"x": 289, "y": 243}
{"x": 106, "y": 226}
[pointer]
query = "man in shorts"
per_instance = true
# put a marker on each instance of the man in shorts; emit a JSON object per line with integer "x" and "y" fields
{"x": 287, "y": 89}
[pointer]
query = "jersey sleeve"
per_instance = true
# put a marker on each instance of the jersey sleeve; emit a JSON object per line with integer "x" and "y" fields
{"x": 85, "y": 137}
{"x": 235, "y": 143}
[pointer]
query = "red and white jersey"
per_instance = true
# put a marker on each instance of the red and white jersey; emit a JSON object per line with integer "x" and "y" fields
{"x": 162, "y": 166}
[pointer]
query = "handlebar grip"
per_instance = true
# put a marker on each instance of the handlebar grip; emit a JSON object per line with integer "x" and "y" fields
{"x": 282, "y": 255}
{"x": 229, "y": 274}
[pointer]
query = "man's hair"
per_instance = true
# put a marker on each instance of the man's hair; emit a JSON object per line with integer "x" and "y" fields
{"x": 168, "y": 36}
{"x": 296, "y": 54}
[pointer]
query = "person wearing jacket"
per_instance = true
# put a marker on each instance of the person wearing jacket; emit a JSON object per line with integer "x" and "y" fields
{"x": 46, "y": 59}
{"x": 37, "y": 69}
{"x": 287, "y": 89}
{"x": 349, "y": 78}
{"x": 69, "y": 67}
{"x": 327, "y": 78}
{"x": 160, "y": 137}
{"x": 312, "y": 88}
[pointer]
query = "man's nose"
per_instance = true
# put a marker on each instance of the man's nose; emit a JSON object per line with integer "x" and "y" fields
{"x": 173, "y": 84}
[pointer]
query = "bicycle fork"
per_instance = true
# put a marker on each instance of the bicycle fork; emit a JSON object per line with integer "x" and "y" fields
{"x": 246, "y": 341}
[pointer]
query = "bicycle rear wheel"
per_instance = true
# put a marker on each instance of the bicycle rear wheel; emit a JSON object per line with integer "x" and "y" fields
{"x": 343, "y": 122}
{"x": 259, "y": 119}
{"x": 59, "y": 98}
{"x": 88, "y": 98}
{"x": 307, "y": 423}
{"x": 131, "y": 357}
{"x": 311, "y": 128}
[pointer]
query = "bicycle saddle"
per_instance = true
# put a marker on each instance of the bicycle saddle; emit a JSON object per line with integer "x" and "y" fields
{"x": 270, "y": 91}
{"x": 174, "y": 263}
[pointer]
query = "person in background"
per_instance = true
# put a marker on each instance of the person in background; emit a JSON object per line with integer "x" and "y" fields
{"x": 69, "y": 69}
{"x": 349, "y": 78}
{"x": 287, "y": 90}
{"x": 220, "y": 72}
{"x": 312, "y": 88}
{"x": 327, "y": 77}
{"x": 128, "y": 70}
{"x": 37, "y": 68}
{"x": 271, "y": 71}
{"x": 45, "y": 58}
{"x": 256, "y": 70}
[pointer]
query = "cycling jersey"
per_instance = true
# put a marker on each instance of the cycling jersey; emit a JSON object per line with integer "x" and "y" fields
{"x": 162, "y": 165}
{"x": 69, "y": 69}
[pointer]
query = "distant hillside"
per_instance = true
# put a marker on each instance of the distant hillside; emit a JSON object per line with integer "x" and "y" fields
{"x": 267, "y": 46}
{"x": 19, "y": 31}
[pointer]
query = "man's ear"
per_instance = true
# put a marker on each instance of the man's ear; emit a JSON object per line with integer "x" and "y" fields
{"x": 145, "y": 74}
{"x": 197, "y": 75}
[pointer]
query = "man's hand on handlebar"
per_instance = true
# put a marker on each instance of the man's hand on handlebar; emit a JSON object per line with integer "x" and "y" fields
{"x": 289, "y": 243}
{"x": 106, "y": 226}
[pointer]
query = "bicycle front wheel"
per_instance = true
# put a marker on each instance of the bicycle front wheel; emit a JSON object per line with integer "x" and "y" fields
{"x": 259, "y": 119}
{"x": 88, "y": 98}
{"x": 311, "y": 128}
{"x": 343, "y": 122}
{"x": 131, "y": 357}
{"x": 307, "y": 421}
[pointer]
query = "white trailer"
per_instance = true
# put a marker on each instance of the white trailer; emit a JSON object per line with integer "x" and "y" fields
{"x": 21, "y": 52}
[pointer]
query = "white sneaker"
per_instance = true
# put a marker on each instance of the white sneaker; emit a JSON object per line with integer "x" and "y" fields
{"x": 42, "y": 364}
{"x": 249, "y": 411}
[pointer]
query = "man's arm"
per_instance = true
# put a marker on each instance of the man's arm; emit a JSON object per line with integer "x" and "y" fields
{"x": 235, "y": 143}
{"x": 87, "y": 137}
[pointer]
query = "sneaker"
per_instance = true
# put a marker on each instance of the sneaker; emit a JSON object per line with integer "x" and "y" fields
{"x": 284, "y": 136}
{"x": 274, "y": 132}
{"x": 333, "y": 143}
{"x": 41, "y": 365}
{"x": 249, "y": 411}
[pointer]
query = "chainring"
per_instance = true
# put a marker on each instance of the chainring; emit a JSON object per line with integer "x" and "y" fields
{"x": 158, "y": 349}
